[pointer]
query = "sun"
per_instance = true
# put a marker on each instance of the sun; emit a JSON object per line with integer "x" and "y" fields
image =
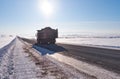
{"x": 46, "y": 8}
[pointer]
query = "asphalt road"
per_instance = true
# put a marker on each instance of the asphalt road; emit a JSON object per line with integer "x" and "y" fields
{"x": 107, "y": 58}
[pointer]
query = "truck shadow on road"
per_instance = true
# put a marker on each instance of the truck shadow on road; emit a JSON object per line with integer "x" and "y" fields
{"x": 49, "y": 49}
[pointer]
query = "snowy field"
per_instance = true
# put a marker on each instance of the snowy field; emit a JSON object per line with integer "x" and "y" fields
{"x": 106, "y": 41}
{"x": 5, "y": 39}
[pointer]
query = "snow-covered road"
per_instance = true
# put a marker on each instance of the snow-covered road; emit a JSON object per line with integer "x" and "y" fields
{"x": 19, "y": 60}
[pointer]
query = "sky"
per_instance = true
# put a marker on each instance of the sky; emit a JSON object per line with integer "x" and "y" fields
{"x": 69, "y": 16}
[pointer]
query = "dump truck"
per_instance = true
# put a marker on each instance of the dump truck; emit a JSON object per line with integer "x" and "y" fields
{"x": 47, "y": 35}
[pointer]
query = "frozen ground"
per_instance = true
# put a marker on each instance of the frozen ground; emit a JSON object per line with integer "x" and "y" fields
{"x": 107, "y": 41}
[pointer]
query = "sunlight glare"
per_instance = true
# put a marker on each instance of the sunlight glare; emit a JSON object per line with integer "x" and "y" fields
{"x": 46, "y": 8}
